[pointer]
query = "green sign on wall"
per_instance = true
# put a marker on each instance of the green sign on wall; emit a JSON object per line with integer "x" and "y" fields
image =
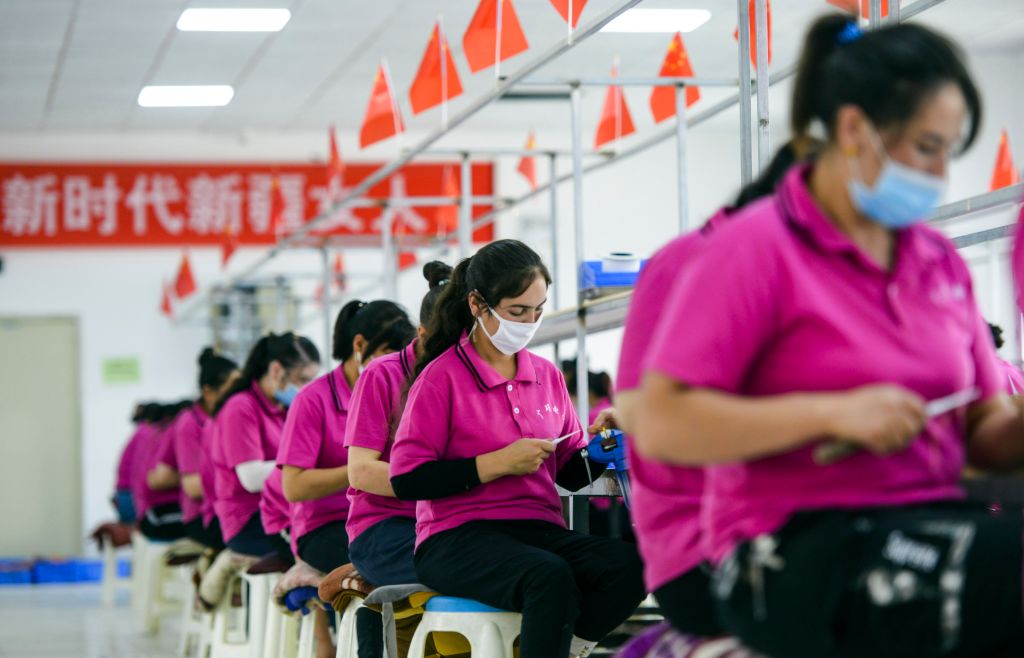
{"x": 121, "y": 370}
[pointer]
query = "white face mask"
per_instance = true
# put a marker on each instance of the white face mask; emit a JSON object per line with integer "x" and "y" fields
{"x": 511, "y": 337}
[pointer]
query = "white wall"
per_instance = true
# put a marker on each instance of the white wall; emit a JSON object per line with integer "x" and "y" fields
{"x": 628, "y": 206}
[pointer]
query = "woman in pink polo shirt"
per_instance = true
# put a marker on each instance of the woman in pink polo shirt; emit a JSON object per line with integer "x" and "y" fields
{"x": 312, "y": 454}
{"x": 1012, "y": 376}
{"x": 666, "y": 497}
{"x": 156, "y": 497}
{"x": 829, "y": 315}
{"x": 178, "y": 460}
{"x": 476, "y": 448}
{"x": 122, "y": 498}
{"x": 247, "y": 433}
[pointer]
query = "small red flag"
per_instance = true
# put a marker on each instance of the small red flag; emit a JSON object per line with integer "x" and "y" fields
{"x": 406, "y": 259}
{"x": 479, "y": 40}
{"x": 165, "y": 300}
{"x": 616, "y": 121}
{"x": 335, "y": 167}
{"x": 753, "y": 32}
{"x": 1004, "y": 174}
{"x": 676, "y": 65}
{"x": 318, "y": 294}
{"x": 383, "y": 118}
{"x": 277, "y": 207}
{"x": 434, "y": 82}
{"x": 565, "y": 6}
{"x": 527, "y": 164}
{"x": 448, "y": 216}
{"x": 338, "y": 269}
{"x": 864, "y": 6}
{"x": 228, "y": 246}
{"x": 184, "y": 282}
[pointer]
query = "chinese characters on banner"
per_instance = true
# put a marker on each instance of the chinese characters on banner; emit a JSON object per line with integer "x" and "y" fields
{"x": 159, "y": 205}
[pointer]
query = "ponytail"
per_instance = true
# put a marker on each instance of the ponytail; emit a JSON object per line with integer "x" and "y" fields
{"x": 450, "y": 318}
{"x": 214, "y": 369}
{"x": 437, "y": 275}
{"x": 791, "y": 153}
{"x": 341, "y": 347}
{"x": 283, "y": 348}
{"x": 366, "y": 319}
{"x": 888, "y": 73}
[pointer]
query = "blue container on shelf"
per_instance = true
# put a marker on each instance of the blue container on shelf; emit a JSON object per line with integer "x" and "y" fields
{"x": 55, "y": 571}
{"x": 615, "y": 271}
{"x": 15, "y": 572}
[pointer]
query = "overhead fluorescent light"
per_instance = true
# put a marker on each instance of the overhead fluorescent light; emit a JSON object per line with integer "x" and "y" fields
{"x": 658, "y": 20}
{"x": 185, "y": 95}
{"x": 233, "y": 20}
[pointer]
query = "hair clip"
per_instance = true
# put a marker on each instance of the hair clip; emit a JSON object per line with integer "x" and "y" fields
{"x": 442, "y": 282}
{"x": 850, "y": 33}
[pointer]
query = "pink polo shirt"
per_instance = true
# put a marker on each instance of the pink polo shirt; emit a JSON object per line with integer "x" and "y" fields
{"x": 374, "y": 412}
{"x": 666, "y": 498}
{"x": 154, "y": 445}
{"x": 184, "y": 453}
{"x": 460, "y": 407}
{"x": 275, "y": 510}
{"x": 781, "y": 301}
{"x": 207, "y": 473}
{"x": 124, "y": 465}
{"x": 1013, "y": 380}
{"x": 313, "y": 437}
{"x": 248, "y": 428}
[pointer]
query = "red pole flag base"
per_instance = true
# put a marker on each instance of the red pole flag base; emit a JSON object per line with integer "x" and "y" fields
{"x": 676, "y": 65}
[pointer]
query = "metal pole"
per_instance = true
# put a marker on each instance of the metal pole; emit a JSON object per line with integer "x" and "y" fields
{"x": 390, "y": 257}
{"x": 684, "y": 192}
{"x": 875, "y": 13}
{"x": 553, "y": 222}
{"x": 746, "y": 136}
{"x": 577, "y": 211}
{"x": 764, "y": 146}
{"x": 894, "y": 11}
{"x": 466, "y": 209}
{"x": 325, "y": 256}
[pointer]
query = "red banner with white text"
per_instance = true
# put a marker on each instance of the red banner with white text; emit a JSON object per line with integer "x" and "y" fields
{"x": 125, "y": 205}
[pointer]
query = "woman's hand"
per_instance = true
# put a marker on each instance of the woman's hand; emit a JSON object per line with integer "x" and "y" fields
{"x": 522, "y": 457}
{"x": 882, "y": 419}
{"x": 606, "y": 420}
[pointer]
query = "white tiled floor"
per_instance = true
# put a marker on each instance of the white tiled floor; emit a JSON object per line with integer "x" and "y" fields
{"x": 56, "y": 621}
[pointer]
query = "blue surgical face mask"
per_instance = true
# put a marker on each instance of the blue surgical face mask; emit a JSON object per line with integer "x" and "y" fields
{"x": 287, "y": 396}
{"x": 900, "y": 197}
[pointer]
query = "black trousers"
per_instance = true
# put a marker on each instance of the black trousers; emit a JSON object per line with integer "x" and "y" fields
{"x": 688, "y": 605}
{"x": 209, "y": 536}
{"x": 163, "y": 523}
{"x": 325, "y": 548}
{"x": 563, "y": 582}
{"x": 252, "y": 540}
{"x": 923, "y": 581}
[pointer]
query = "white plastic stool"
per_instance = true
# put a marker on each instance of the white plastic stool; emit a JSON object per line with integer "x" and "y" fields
{"x": 307, "y": 636}
{"x": 348, "y": 643}
{"x": 196, "y": 628}
{"x": 111, "y": 581}
{"x": 228, "y": 637}
{"x": 157, "y": 590}
{"x": 491, "y": 632}
{"x": 258, "y": 588}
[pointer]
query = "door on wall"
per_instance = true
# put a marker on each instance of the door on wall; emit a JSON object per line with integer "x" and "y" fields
{"x": 40, "y": 486}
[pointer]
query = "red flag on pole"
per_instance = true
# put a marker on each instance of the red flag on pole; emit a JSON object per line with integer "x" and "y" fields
{"x": 165, "y": 300}
{"x": 1004, "y": 174}
{"x": 864, "y": 7}
{"x": 448, "y": 216}
{"x": 382, "y": 119}
{"x": 184, "y": 282}
{"x": 527, "y": 164}
{"x": 564, "y": 7}
{"x": 277, "y": 207}
{"x": 406, "y": 259}
{"x": 435, "y": 83}
{"x": 335, "y": 167}
{"x": 753, "y": 32}
{"x": 482, "y": 41}
{"x": 338, "y": 269}
{"x": 616, "y": 121}
{"x": 676, "y": 65}
{"x": 228, "y": 246}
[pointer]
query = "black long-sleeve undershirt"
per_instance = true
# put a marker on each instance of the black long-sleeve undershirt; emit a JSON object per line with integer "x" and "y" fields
{"x": 440, "y": 479}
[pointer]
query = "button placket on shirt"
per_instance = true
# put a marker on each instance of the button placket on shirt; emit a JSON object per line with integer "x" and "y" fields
{"x": 518, "y": 411}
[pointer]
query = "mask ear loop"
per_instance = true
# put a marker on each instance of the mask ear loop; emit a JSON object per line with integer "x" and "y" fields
{"x": 851, "y": 154}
